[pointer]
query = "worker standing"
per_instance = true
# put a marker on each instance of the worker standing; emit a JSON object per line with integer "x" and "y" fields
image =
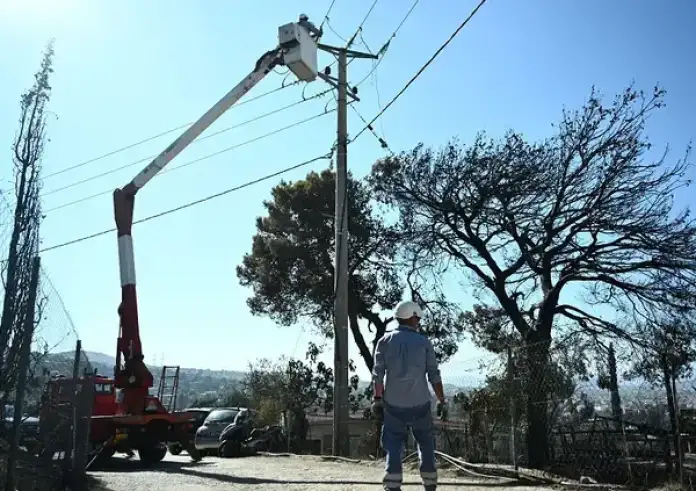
{"x": 404, "y": 363}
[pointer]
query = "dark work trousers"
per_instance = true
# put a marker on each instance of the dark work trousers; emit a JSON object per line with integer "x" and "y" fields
{"x": 397, "y": 421}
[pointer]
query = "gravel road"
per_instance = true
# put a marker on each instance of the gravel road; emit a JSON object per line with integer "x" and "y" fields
{"x": 264, "y": 473}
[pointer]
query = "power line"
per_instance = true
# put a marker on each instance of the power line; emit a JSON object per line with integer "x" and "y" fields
{"x": 185, "y": 164}
{"x": 297, "y": 342}
{"x": 383, "y": 143}
{"x": 403, "y": 21}
{"x": 367, "y": 15}
{"x": 421, "y": 70}
{"x": 382, "y": 51}
{"x": 358, "y": 32}
{"x": 326, "y": 16}
{"x": 196, "y": 202}
{"x": 364, "y": 43}
{"x": 381, "y": 140}
{"x": 362, "y": 23}
{"x": 154, "y": 137}
{"x": 217, "y": 133}
{"x": 328, "y": 24}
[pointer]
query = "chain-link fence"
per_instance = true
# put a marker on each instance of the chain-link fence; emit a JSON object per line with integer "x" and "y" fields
{"x": 535, "y": 406}
{"x": 54, "y": 416}
{"x": 539, "y": 407}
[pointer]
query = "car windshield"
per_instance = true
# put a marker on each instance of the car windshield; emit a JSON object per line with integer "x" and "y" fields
{"x": 199, "y": 415}
{"x": 222, "y": 415}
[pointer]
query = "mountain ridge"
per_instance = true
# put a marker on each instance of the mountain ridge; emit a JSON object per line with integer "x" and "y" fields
{"x": 97, "y": 358}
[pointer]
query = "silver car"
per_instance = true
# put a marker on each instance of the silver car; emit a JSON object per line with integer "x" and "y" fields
{"x": 208, "y": 435}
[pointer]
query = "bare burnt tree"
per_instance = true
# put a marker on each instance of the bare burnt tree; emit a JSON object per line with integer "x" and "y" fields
{"x": 586, "y": 208}
{"x": 668, "y": 358}
{"x": 27, "y": 153}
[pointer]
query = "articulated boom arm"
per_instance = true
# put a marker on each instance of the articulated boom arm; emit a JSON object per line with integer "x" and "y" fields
{"x": 297, "y": 49}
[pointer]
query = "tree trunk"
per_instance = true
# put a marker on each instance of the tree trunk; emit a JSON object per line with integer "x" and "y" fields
{"x": 380, "y": 330}
{"x": 8, "y": 312}
{"x": 616, "y": 409}
{"x": 356, "y": 310}
{"x": 359, "y": 339}
{"x": 667, "y": 378}
{"x": 537, "y": 355}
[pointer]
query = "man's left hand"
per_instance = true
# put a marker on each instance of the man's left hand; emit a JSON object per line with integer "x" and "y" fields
{"x": 377, "y": 409}
{"x": 442, "y": 409}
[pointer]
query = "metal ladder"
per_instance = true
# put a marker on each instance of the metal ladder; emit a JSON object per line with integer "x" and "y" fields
{"x": 169, "y": 387}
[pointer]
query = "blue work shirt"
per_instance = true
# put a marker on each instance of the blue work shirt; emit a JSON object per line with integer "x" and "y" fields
{"x": 403, "y": 358}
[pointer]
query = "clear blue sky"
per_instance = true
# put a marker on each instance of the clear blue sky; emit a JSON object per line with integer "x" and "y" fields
{"x": 127, "y": 70}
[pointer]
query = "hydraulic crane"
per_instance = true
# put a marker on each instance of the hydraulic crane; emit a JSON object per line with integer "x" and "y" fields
{"x": 142, "y": 418}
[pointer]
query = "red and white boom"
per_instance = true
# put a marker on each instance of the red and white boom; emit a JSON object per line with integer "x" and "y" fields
{"x": 297, "y": 49}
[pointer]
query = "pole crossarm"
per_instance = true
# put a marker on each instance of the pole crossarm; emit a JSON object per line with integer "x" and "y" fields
{"x": 350, "y": 53}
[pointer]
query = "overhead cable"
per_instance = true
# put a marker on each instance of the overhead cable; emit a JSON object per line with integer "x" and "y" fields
{"x": 420, "y": 71}
{"x": 195, "y": 202}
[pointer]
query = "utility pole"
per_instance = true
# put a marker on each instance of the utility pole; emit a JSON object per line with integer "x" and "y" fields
{"x": 341, "y": 407}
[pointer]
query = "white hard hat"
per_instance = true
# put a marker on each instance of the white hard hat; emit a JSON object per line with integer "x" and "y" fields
{"x": 408, "y": 309}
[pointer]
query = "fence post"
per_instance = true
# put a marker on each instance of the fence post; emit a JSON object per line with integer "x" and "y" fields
{"x": 511, "y": 388}
{"x": 678, "y": 440}
{"x": 82, "y": 425}
{"x": 25, "y": 358}
{"x": 68, "y": 458}
{"x": 76, "y": 360}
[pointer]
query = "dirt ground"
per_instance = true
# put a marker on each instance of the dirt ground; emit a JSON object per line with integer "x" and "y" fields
{"x": 267, "y": 473}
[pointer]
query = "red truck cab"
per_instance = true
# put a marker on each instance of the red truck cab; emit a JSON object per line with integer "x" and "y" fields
{"x": 104, "y": 396}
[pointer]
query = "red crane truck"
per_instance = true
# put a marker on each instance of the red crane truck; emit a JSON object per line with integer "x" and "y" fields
{"x": 135, "y": 419}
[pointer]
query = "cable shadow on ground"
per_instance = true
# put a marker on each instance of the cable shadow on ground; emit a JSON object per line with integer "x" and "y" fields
{"x": 134, "y": 465}
{"x": 191, "y": 468}
{"x": 190, "y": 471}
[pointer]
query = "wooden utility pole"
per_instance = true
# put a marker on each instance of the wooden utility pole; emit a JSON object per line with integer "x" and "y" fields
{"x": 341, "y": 406}
{"x": 24, "y": 360}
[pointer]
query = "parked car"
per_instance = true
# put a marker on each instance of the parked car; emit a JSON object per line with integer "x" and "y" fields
{"x": 28, "y": 427}
{"x": 208, "y": 435}
{"x": 200, "y": 413}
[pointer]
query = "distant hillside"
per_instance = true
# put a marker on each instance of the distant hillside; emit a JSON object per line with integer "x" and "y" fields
{"x": 192, "y": 381}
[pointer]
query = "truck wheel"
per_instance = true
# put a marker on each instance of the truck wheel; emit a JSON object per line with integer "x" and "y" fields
{"x": 175, "y": 449}
{"x": 153, "y": 454}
